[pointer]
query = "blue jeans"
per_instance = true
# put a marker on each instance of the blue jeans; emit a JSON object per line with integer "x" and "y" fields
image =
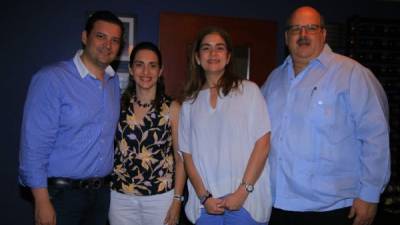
{"x": 239, "y": 217}
{"x": 80, "y": 206}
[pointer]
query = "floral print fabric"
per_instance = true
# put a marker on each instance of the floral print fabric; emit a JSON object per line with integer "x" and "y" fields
{"x": 144, "y": 160}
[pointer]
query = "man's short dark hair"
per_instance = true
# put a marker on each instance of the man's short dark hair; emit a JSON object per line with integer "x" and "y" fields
{"x": 104, "y": 16}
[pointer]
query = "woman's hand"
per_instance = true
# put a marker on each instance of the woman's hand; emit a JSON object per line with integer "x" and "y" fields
{"x": 214, "y": 205}
{"x": 172, "y": 217}
{"x": 236, "y": 200}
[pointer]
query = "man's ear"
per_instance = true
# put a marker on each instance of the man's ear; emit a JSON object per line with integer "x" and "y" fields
{"x": 84, "y": 37}
{"x": 324, "y": 33}
{"x": 286, "y": 38}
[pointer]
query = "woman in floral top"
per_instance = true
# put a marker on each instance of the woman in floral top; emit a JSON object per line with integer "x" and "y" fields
{"x": 148, "y": 176}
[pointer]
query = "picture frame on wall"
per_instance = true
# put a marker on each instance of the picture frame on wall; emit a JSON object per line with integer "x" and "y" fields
{"x": 129, "y": 26}
{"x": 122, "y": 63}
{"x": 123, "y": 74}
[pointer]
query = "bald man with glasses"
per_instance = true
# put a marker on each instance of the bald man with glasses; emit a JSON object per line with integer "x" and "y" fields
{"x": 329, "y": 157}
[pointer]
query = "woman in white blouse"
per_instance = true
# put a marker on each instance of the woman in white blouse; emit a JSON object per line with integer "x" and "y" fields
{"x": 224, "y": 134}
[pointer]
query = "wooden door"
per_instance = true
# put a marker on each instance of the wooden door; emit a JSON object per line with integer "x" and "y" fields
{"x": 178, "y": 31}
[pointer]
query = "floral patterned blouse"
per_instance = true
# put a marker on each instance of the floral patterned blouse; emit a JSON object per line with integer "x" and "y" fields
{"x": 144, "y": 160}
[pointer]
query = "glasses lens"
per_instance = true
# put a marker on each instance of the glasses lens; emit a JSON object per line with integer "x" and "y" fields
{"x": 309, "y": 28}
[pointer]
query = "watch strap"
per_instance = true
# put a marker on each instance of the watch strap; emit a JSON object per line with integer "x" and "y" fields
{"x": 179, "y": 197}
{"x": 205, "y": 197}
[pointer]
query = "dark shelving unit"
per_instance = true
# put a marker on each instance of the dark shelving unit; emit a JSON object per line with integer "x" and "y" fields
{"x": 375, "y": 43}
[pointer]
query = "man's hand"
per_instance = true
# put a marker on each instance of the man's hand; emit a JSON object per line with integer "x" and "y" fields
{"x": 363, "y": 211}
{"x": 44, "y": 210}
{"x": 45, "y": 214}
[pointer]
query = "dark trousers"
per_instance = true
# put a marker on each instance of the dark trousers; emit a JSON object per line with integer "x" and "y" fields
{"x": 80, "y": 206}
{"x": 334, "y": 217}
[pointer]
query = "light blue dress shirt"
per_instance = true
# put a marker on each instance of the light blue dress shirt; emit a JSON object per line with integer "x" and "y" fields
{"x": 69, "y": 123}
{"x": 330, "y": 134}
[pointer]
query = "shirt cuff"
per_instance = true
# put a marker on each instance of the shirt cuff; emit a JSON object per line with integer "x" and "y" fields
{"x": 370, "y": 194}
{"x": 33, "y": 182}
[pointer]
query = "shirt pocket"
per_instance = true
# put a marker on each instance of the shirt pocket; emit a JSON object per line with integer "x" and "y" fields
{"x": 329, "y": 118}
{"x": 322, "y": 113}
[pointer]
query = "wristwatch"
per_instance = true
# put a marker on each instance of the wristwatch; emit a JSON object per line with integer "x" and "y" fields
{"x": 203, "y": 198}
{"x": 179, "y": 197}
{"x": 249, "y": 187}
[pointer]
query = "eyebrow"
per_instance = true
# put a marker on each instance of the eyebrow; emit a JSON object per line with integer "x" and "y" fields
{"x": 209, "y": 44}
{"x": 107, "y": 35}
{"x": 140, "y": 61}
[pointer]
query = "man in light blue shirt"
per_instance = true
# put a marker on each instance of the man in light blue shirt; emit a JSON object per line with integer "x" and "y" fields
{"x": 329, "y": 157}
{"x": 68, "y": 129}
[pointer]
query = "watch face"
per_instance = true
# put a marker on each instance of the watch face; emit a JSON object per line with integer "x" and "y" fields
{"x": 249, "y": 188}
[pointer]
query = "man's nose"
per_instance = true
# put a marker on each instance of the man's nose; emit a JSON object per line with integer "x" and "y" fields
{"x": 108, "y": 43}
{"x": 303, "y": 31}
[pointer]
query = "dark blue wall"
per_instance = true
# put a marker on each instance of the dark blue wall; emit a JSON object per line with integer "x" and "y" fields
{"x": 35, "y": 33}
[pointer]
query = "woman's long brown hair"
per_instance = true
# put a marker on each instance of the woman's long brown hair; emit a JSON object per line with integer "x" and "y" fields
{"x": 196, "y": 75}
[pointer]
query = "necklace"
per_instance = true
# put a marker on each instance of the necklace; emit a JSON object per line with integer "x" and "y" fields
{"x": 143, "y": 105}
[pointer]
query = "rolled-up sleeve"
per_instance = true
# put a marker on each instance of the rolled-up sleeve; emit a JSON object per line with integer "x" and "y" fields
{"x": 39, "y": 129}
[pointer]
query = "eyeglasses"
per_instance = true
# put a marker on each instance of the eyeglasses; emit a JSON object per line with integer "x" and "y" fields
{"x": 309, "y": 28}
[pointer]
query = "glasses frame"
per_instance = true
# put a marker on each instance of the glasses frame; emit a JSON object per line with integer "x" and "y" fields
{"x": 308, "y": 28}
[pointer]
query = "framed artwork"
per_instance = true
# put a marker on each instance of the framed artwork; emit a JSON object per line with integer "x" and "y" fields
{"x": 129, "y": 26}
{"x": 123, "y": 81}
{"x": 123, "y": 62}
{"x": 123, "y": 74}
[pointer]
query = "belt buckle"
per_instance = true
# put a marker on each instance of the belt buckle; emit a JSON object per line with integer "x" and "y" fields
{"x": 96, "y": 183}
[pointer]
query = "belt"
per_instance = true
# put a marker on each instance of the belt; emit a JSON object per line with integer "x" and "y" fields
{"x": 89, "y": 183}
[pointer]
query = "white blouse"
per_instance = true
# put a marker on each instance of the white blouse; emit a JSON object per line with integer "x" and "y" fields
{"x": 221, "y": 140}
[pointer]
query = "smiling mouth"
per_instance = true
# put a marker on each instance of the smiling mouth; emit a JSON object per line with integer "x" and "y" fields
{"x": 145, "y": 79}
{"x": 213, "y": 61}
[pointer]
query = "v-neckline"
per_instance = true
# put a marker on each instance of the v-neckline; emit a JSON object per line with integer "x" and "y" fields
{"x": 207, "y": 93}
{"x": 142, "y": 120}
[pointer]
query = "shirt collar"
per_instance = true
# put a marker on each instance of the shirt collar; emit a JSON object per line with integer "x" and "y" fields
{"x": 323, "y": 58}
{"x": 82, "y": 69}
